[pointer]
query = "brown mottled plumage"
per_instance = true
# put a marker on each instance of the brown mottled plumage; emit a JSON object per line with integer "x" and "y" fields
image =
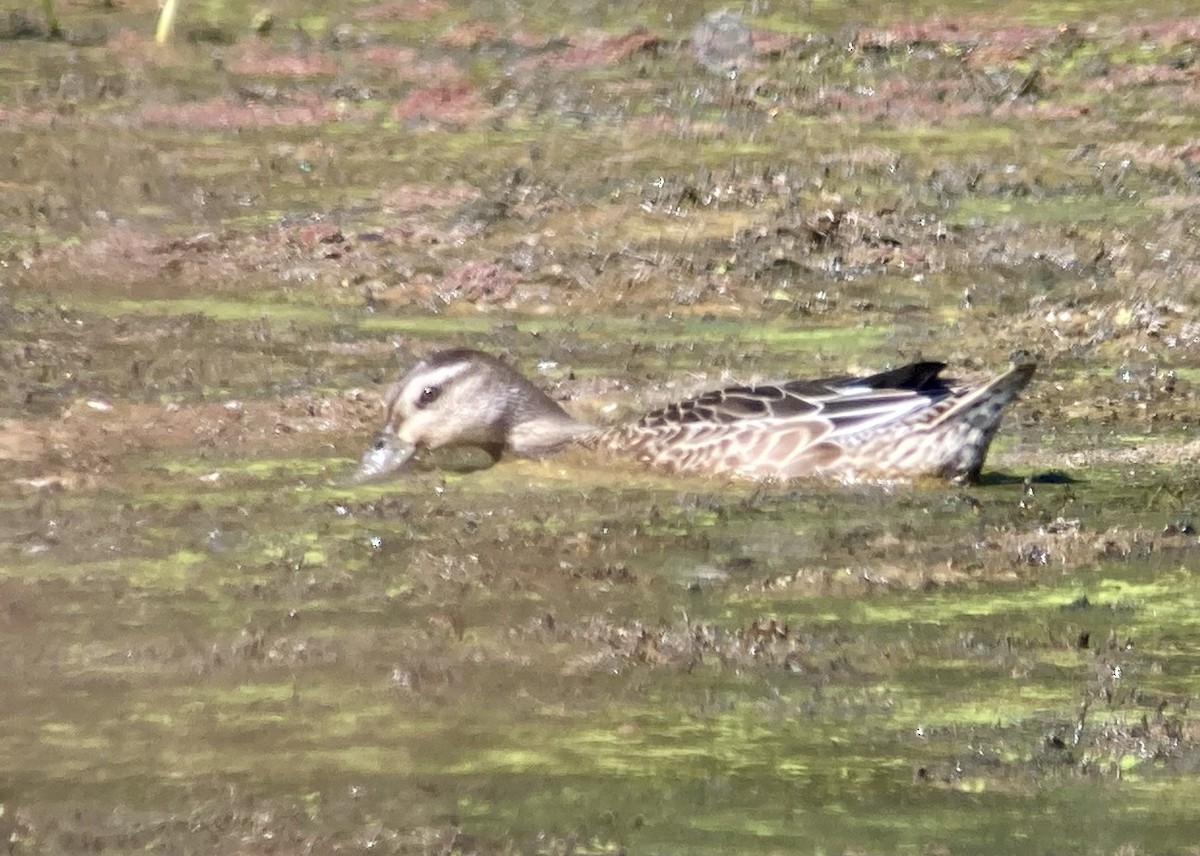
{"x": 900, "y": 424}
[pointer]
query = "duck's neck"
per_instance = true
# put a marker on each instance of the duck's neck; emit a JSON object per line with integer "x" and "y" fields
{"x": 540, "y": 427}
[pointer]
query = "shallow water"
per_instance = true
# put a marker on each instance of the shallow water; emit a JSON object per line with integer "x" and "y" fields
{"x": 216, "y": 254}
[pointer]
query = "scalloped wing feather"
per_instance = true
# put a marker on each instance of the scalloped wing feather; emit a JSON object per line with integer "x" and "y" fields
{"x": 896, "y": 424}
{"x": 753, "y": 448}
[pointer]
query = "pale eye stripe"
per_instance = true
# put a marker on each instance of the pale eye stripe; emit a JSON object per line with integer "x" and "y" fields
{"x": 438, "y": 376}
{"x": 409, "y": 387}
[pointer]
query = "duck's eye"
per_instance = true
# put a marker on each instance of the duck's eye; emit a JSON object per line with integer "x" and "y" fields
{"x": 428, "y": 396}
{"x": 379, "y": 445}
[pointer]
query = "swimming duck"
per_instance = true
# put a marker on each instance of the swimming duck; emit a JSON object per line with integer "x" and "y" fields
{"x": 900, "y": 424}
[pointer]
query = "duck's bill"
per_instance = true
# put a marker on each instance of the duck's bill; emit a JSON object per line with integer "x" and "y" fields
{"x": 387, "y": 455}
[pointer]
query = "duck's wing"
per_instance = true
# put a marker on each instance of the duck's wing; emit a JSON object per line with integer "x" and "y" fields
{"x": 853, "y": 407}
{"x": 905, "y": 421}
{"x": 840, "y": 405}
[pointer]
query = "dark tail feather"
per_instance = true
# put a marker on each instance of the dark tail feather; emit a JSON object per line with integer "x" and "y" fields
{"x": 975, "y": 418}
{"x": 985, "y": 403}
{"x": 1007, "y": 385}
{"x": 918, "y": 377}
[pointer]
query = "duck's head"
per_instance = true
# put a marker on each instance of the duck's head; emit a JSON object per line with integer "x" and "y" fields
{"x": 463, "y": 397}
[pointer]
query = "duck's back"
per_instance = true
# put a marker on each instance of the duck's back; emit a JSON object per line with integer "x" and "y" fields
{"x": 904, "y": 423}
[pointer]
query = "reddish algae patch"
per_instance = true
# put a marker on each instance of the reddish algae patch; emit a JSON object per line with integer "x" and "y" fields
{"x": 306, "y": 109}
{"x": 456, "y": 102}
{"x": 601, "y": 50}
{"x": 401, "y": 10}
{"x": 262, "y": 60}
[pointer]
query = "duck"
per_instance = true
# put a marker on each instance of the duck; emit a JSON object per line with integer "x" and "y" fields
{"x": 903, "y": 424}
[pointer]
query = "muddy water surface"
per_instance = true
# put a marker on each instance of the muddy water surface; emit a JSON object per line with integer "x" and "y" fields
{"x": 215, "y": 254}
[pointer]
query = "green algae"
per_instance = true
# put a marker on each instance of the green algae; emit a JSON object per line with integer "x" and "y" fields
{"x": 703, "y": 331}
